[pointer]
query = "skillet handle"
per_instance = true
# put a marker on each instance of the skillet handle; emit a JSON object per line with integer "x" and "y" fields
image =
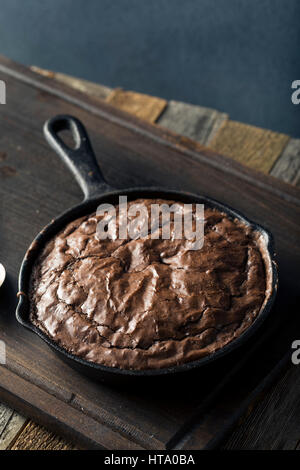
{"x": 81, "y": 159}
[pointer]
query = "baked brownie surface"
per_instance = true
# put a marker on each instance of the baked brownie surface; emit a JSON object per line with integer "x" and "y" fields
{"x": 148, "y": 303}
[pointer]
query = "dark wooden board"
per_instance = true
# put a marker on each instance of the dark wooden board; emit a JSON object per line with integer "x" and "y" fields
{"x": 35, "y": 187}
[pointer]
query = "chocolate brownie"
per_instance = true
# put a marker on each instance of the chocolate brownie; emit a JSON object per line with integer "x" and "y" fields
{"x": 148, "y": 303}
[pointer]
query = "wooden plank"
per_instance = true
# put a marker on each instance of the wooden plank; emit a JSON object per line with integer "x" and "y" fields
{"x": 195, "y": 122}
{"x": 142, "y": 106}
{"x": 11, "y": 424}
{"x": 275, "y": 424}
{"x": 287, "y": 167}
{"x": 35, "y": 437}
{"x": 132, "y": 153}
{"x": 53, "y": 410}
{"x": 257, "y": 148}
{"x": 94, "y": 89}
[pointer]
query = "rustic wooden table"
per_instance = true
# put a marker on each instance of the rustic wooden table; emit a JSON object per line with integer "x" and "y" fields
{"x": 275, "y": 422}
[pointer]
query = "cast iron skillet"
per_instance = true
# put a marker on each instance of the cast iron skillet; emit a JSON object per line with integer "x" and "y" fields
{"x": 82, "y": 163}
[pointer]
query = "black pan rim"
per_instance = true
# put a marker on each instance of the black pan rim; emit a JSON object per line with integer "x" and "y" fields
{"x": 85, "y": 207}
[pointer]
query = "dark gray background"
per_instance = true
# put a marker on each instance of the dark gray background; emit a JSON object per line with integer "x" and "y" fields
{"x": 239, "y": 56}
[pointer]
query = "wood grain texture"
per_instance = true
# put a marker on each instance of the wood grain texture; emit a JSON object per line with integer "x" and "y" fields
{"x": 94, "y": 89}
{"x": 257, "y": 148}
{"x": 35, "y": 437}
{"x": 287, "y": 167}
{"x": 142, "y": 106}
{"x": 132, "y": 154}
{"x": 91, "y": 432}
{"x": 195, "y": 122}
{"x": 11, "y": 424}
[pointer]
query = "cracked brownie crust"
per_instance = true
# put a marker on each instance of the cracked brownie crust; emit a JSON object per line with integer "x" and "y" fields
{"x": 148, "y": 303}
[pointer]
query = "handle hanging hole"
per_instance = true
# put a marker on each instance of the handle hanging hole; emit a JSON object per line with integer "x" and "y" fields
{"x": 68, "y": 139}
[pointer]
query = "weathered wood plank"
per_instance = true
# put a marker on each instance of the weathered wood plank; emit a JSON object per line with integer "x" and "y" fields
{"x": 195, "y": 122}
{"x": 90, "y": 431}
{"x": 11, "y": 424}
{"x": 85, "y": 86}
{"x": 35, "y": 437}
{"x": 287, "y": 167}
{"x": 257, "y": 148}
{"x": 142, "y": 106}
